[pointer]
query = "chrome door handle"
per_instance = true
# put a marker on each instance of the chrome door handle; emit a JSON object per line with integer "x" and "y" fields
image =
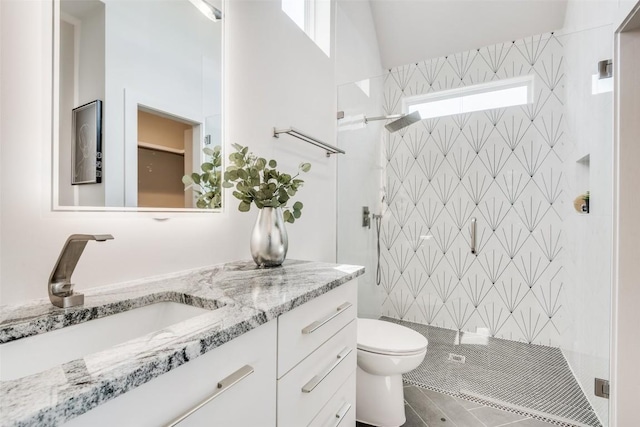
{"x": 342, "y": 413}
{"x": 318, "y": 323}
{"x": 473, "y": 236}
{"x": 224, "y": 385}
{"x": 317, "y": 379}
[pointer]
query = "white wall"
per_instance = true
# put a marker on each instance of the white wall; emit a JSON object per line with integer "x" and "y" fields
{"x": 359, "y": 169}
{"x": 581, "y": 14}
{"x": 276, "y": 77}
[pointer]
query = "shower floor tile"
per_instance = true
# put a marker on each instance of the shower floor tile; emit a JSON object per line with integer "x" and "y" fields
{"x": 524, "y": 379}
{"x": 427, "y": 408}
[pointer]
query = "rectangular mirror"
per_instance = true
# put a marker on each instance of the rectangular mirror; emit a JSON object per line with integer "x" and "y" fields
{"x": 137, "y": 104}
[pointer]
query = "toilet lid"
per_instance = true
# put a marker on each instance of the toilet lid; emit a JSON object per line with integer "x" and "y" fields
{"x": 382, "y": 337}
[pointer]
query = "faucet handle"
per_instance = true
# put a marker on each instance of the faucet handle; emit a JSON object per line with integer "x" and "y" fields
{"x": 103, "y": 237}
{"x": 86, "y": 237}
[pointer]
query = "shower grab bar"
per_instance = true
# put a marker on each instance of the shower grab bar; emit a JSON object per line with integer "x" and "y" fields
{"x": 311, "y": 140}
{"x": 473, "y": 236}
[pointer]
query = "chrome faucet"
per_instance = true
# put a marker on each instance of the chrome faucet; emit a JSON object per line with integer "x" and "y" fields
{"x": 60, "y": 287}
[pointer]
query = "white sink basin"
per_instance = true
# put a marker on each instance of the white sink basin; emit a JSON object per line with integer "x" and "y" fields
{"x": 40, "y": 352}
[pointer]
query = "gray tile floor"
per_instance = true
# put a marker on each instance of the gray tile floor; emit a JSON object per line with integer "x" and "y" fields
{"x": 426, "y": 408}
{"x": 516, "y": 375}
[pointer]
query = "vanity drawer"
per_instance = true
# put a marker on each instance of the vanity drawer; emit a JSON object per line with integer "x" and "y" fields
{"x": 305, "y": 328}
{"x": 304, "y": 391}
{"x": 341, "y": 409}
{"x": 217, "y": 386}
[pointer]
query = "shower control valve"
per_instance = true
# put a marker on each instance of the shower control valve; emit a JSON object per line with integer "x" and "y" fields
{"x": 366, "y": 217}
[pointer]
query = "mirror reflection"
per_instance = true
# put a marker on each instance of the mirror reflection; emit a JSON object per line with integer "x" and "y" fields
{"x": 139, "y": 104}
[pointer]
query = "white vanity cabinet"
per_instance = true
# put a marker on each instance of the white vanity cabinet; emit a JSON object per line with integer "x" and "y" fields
{"x": 246, "y": 369}
{"x": 317, "y": 361}
{"x": 307, "y": 358}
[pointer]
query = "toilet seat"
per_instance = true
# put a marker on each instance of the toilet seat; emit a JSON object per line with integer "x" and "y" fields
{"x": 386, "y": 338}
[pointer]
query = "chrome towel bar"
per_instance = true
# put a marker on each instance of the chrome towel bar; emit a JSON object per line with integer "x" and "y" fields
{"x": 311, "y": 140}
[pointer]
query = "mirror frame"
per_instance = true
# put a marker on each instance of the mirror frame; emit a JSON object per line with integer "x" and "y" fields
{"x": 55, "y": 125}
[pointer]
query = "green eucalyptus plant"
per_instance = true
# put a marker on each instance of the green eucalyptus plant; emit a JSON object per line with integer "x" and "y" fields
{"x": 257, "y": 181}
{"x": 207, "y": 185}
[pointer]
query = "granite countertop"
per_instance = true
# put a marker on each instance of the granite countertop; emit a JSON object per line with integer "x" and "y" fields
{"x": 240, "y": 295}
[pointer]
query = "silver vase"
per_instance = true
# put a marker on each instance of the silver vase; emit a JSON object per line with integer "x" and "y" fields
{"x": 269, "y": 241}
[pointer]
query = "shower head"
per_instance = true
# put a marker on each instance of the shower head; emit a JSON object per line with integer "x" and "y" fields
{"x": 401, "y": 122}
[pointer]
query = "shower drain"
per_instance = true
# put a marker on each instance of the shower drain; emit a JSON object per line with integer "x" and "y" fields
{"x": 456, "y": 358}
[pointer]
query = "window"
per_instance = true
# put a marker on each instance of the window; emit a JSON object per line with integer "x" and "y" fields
{"x": 486, "y": 96}
{"x": 314, "y": 18}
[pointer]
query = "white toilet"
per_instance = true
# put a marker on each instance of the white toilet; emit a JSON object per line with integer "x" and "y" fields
{"x": 385, "y": 352}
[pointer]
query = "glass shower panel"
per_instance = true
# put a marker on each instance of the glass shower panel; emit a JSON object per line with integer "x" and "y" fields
{"x": 360, "y": 184}
{"x": 524, "y": 322}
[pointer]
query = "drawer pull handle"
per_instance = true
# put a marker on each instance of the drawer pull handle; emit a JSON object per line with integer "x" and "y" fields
{"x": 224, "y": 385}
{"x": 313, "y": 383}
{"x": 342, "y": 413}
{"x": 318, "y": 323}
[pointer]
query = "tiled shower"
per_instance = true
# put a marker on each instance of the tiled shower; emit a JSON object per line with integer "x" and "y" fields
{"x": 528, "y": 310}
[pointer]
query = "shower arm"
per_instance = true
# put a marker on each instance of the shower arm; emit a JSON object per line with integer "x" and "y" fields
{"x": 371, "y": 119}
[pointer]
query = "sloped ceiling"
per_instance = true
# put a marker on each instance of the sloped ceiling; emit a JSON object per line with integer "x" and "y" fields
{"x": 409, "y": 31}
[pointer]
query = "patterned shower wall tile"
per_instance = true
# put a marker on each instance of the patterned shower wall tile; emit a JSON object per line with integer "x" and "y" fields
{"x": 462, "y": 64}
{"x": 461, "y": 160}
{"x": 551, "y": 127}
{"x": 532, "y": 154}
{"x": 502, "y": 167}
{"x": 459, "y": 312}
{"x": 417, "y": 84}
{"x": 495, "y": 58}
{"x": 460, "y": 259}
{"x": 513, "y": 129}
{"x": 532, "y": 49}
{"x": 478, "y": 130}
{"x": 429, "y": 72}
{"x": 401, "y": 76}
{"x": 446, "y": 78}
{"x": 511, "y": 290}
{"x": 480, "y": 74}
{"x": 512, "y": 183}
{"x": 550, "y": 183}
{"x": 415, "y": 141}
{"x": 429, "y": 257}
{"x": 493, "y": 317}
{"x": 550, "y": 240}
{"x": 429, "y": 163}
{"x": 478, "y": 290}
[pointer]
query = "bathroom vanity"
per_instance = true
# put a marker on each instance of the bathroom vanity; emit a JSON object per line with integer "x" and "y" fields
{"x": 229, "y": 345}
